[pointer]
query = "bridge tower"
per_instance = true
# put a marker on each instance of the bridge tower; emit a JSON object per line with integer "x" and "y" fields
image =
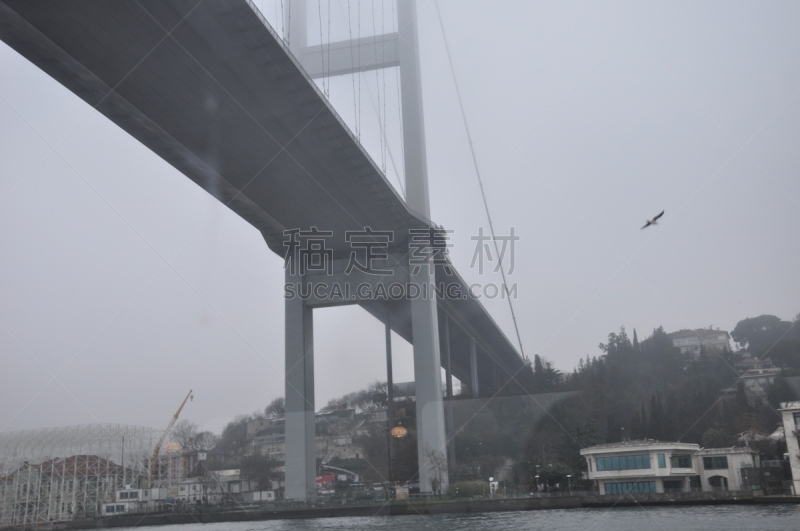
{"x": 398, "y": 49}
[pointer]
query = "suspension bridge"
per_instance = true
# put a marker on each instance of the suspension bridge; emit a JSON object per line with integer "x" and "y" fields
{"x": 230, "y": 101}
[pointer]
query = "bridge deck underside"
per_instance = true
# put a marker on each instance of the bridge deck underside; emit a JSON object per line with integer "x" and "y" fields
{"x": 210, "y": 88}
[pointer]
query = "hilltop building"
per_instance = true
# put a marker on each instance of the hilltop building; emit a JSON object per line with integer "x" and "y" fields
{"x": 759, "y": 380}
{"x": 757, "y": 374}
{"x": 691, "y": 341}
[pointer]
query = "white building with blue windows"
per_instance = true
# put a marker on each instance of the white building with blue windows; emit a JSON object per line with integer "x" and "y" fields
{"x": 648, "y": 467}
{"x": 790, "y": 411}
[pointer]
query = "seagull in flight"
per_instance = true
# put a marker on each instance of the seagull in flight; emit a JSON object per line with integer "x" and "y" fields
{"x": 653, "y": 221}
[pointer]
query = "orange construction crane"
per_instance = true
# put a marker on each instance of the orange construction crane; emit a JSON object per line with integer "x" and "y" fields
{"x": 163, "y": 437}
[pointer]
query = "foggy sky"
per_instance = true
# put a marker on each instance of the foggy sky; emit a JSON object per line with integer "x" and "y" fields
{"x": 124, "y": 284}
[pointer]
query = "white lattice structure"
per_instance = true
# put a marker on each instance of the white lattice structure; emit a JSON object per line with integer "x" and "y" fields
{"x": 65, "y": 473}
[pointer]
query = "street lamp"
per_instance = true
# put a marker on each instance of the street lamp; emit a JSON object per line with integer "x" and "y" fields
{"x": 398, "y": 432}
{"x": 569, "y": 480}
{"x": 537, "y": 482}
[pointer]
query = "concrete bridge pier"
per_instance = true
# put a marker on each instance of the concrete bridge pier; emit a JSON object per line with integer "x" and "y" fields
{"x": 300, "y": 433}
{"x": 300, "y": 406}
{"x": 431, "y": 440}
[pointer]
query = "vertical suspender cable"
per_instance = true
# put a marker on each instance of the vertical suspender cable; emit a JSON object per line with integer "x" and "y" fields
{"x": 353, "y": 66}
{"x": 390, "y": 157}
{"x": 289, "y": 24}
{"x": 383, "y": 78}
{"x": 358, "y": 14}
{"x": 480, "y": 181}
{"x": 386, "y": 140}
{"x": 399, "y": 109}
{"x": 378, "y": 90}
{"x": 322, "y": 48}
{"x": 329, "y": 49}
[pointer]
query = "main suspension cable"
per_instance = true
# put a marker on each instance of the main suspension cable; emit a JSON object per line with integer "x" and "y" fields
{"x": 480, "y": 181}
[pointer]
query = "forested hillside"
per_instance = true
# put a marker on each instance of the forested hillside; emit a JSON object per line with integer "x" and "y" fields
{"x": 632, "y": 389}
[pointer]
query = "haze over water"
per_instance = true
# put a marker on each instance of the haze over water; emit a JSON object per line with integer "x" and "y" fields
{"x": 709, "y": 518}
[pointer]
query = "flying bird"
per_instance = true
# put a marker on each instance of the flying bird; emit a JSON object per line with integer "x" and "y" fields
{"x": 653, "y": 221}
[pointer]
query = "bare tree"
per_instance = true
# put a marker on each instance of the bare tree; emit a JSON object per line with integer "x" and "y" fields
{"x": 373, "y": 398}
{"x": 437, "y": 462}
{"x": 335, "y": 404}
{"x": 205, "y": 441}
{"x": 184, "y": 433}
{"x": 276, "y": 408}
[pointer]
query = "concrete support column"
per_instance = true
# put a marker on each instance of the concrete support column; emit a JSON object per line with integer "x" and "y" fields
{"x": 295, "y": 23}
{"x": 473, "y": 368}
{"x": 300, "y": 431}
{"x": 416, "y": 169}
{"x": 431, "y": 441}
{"x": 444, "y": 327}
{"x": 390, "y": 412}
{"x": 389, "y": 377}
{"x": 451, "y": 443}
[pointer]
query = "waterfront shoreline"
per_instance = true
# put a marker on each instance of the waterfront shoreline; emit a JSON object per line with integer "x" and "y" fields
{"x": 422, "y": 507}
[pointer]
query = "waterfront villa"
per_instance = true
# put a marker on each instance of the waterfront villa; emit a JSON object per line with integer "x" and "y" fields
{"x": 647, "y": 466}
{"x": 790, "y": 413}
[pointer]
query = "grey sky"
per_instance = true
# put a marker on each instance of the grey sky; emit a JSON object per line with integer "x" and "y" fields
{"x": 587, "y": 119}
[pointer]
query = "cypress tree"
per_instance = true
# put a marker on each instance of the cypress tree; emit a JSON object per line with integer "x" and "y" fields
{"x": 645, "y": 430}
